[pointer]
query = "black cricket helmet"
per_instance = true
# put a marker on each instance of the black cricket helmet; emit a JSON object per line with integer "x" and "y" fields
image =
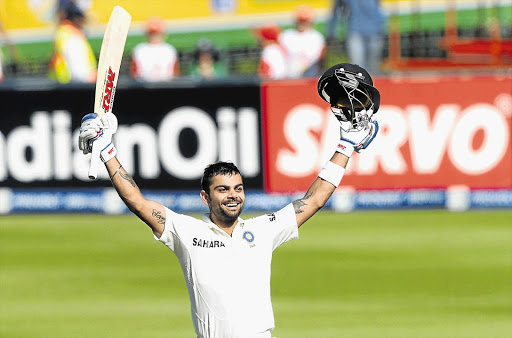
{"x": 349, "y": 89}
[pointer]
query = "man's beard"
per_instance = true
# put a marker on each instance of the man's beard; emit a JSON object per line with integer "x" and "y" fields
{"x": 225, "y": 215}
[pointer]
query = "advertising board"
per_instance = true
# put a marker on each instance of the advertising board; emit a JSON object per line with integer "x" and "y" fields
{"x": 435, "y": 132}
{"x": 166, "y": 135}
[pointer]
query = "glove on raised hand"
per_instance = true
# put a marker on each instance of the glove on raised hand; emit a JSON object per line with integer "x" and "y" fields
{"x": 100, "y": 130}
{"x": 357, "y": 139}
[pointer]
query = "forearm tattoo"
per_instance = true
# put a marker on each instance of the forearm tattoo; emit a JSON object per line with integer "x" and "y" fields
{"x": 158, "y": 215}
{"x": 298, "y": 204}
{"x": 127, "y": 177}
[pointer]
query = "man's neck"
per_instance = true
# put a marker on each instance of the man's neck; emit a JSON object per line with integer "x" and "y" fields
{"x": 228, "y": 227}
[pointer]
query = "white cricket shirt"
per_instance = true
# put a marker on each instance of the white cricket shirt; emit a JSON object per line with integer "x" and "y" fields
{"x": 154, "y": 62}
{"x": 303, "y": 48}
{"x": 228, "y": 277}
{"x": 273, "y": 61}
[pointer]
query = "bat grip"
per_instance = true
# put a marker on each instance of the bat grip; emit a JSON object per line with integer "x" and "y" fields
{"x": 95, "y": 161}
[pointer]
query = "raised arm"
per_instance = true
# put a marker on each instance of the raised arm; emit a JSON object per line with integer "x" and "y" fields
{"x": 318, "y": 193}
{"x": 150, "y": 212}
{"x": 330, "y": 177}
{"x": 349, "y": 90}
{"x": 101, "y": 130}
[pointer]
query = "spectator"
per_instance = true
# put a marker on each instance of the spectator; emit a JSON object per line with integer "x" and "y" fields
{"x": 206, "y": 58}
{"x": 73, "y": 59}
{"x": 364, "y": 33}
{"x": 155, "y": 60}
{"x": 11, "y": 49}
{"x": 339, "y": 8}
{"x": 273, "y": 62}
{"x": 305, "y": 46}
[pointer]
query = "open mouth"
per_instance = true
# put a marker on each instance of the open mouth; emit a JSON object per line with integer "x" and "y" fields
{"x": 232, "y": 205}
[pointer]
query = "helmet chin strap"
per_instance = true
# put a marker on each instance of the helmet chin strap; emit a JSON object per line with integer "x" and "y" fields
{"x": 358, "y": 120}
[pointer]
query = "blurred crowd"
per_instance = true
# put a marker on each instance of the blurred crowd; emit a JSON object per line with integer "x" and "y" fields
{"x": 298, "y": 51}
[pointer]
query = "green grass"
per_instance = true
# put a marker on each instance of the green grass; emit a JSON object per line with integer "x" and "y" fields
{"x": 376, "y": 274}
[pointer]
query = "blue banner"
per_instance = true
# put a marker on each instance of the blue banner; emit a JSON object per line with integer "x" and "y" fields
{"x": 491, "y": 199}
{"x": 400, "y": 199}
{"x": 105, "y": 200}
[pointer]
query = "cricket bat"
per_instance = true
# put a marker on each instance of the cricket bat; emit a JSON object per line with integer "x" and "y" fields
{"x": 111, "y": 54}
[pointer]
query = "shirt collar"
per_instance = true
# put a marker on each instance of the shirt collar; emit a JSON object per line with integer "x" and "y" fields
{"x": 211, "y": 225}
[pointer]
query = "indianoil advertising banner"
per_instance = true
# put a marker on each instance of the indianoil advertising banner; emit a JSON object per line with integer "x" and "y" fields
{"x": 165, "y": 139}
{"x": 435, "y": 132}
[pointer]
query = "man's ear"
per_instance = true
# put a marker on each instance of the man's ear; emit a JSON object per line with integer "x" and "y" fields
{"x": 205, "y": 198}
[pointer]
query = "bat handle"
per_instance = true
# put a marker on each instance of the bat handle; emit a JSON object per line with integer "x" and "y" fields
{"x": 95, "y": 161}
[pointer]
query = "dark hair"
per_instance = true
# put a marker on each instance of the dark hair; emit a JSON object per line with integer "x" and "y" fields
{"x": 71, "y": 10}
{"x": 205, "y": 46}
{"x": 219, "y": 168}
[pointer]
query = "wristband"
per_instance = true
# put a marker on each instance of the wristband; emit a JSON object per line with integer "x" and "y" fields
{"x": 346, "y": 148}
{"x": 332, "y": 173}
{"x": 108, "y": 152}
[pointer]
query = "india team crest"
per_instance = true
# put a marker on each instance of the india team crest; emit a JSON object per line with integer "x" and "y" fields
{"x": 248, "y": 236}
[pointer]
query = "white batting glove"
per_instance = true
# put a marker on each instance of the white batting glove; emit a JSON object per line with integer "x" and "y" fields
{"x": 95, "y": 129}
{"x": 357, "y": 139}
